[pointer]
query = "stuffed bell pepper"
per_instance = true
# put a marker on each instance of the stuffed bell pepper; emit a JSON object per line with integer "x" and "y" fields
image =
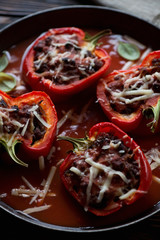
{"x": 131, "y": 98}
{"x": 106, "y": 170}
{"x": 29, "y": 119}
{"x": 62, "y": 62}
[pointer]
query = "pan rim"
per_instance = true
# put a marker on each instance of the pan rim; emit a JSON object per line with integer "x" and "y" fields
{"x": 18, "y": 214}
{"x": 27, "y": 218}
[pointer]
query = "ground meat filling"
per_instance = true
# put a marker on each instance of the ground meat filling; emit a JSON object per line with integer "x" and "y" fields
{"x": 127, "y": 92}
{"x": 60, "y": 59}
{"x": 103, "y": 172}
{"x": 20, "y": 121}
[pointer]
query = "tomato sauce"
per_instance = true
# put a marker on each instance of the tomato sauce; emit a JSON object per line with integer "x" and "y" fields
{"x": 85, "y": 112}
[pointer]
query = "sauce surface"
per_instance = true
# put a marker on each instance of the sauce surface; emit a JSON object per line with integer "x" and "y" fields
{"x": 83, "y": 112}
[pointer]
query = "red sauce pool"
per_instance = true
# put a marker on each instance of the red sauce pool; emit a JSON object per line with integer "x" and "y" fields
{"x": 64, "y": 210}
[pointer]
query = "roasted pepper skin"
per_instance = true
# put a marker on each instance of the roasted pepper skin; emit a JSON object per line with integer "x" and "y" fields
{"x": 42, "y": 146}
{"x": 145, "y": 170}
{"x": 127, "y": 122}
{"x": 59, "y": 93}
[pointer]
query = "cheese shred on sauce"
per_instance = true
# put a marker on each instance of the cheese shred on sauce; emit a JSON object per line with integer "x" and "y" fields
{"x": 36, "y": 209}
{"x": 36, "y": 194}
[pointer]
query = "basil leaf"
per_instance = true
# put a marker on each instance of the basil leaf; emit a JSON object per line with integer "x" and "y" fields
{"x": 128, "y": 51}
{"x": 3, "y": 61}
{"x": 7, "y": 82}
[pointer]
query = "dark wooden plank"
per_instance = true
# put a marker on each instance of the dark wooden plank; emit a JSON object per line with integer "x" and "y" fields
{"x": 11, "y": 10}
{"x": 21, "y": 8}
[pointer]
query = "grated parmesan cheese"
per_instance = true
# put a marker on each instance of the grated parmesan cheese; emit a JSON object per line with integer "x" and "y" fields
{"x": 52, "y": 150}
{"x": 25, "y": 128}
{"x": 105, "y": 186}
{"x": 128, "y": 194}
{"x": 36, "y": 209}
{"x": 41, "y": 163}
{"x": 58, "y": 54}
{"x": 145, "y": 53}
{"x": 132, "y": 92}
{"x": 48, "y": 181}
{"x": 153, "y": 157}
{"x": 25, "y": 192}
{"x": 36, "y": 114}
{"x": 76, "y": 171}
{"x": 93, "y": 174}
{"x": 35, "y": 192}
{"x": 64, "y": 119}
{"x": 106, "y": 169}
{"x": 127, "y": 65}
{"x": 28, "y": 184}
{"x": 94, "y": 169}
{"x": 3, "y": 195}
{"x": 156, "y": 179}
{"x": 7, "y": 109}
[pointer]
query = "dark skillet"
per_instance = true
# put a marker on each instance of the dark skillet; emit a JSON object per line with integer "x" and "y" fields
{"x": 88, "y": 17}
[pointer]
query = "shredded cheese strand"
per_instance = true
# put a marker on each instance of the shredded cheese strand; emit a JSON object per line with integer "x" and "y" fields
{"x": 48, "y": 181}
{"x": 36, "y": 209}
{"x": 93, "y": 174}
{"x": 28, "y": 184}
{"x": 128, "y": 194}
{"x": 25, "y": 128}
{"x": 106, "y": 169}
{"x": 105, "y": 186}
{"x": 153, "y": 157}
{"x": 131, "y": 88}
{"x": 36, "y": 114}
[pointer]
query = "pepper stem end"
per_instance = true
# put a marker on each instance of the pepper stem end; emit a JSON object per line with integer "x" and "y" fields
{"x": 11, "y": 151}
{"x": 79, "y": 144}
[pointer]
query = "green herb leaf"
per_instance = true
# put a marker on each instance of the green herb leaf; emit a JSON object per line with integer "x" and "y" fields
{"x": 153, "y": 112}
{"x": 128, "y": 51}
{"x": 7, "y": 82}
{"x": 11, "y": 151}
{"x": 3, "y": 61}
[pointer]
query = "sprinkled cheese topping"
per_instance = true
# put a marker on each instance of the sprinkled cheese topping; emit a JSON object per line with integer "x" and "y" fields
{"x": 37, "y": 195}
{"x": 25, "y": 121}
{"x": 105, "y": 172}
{"x": 128, "y": 91}
{"x": 153, "y": 156}
{"x": 62, "y": 60}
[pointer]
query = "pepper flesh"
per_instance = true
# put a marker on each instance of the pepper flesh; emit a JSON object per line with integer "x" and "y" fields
{"x": 129, "y": 121}
{"x": 69, "y": 167}
{"x": 61, "y": 91}
{"x": 38, "y": 103}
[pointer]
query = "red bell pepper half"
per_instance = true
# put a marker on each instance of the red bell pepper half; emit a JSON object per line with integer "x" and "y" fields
{"x": 125, "y": 96}
{"x": 62, "y": 62}
{"x": 106, "y": 170}
{"x": 30, "y": 119}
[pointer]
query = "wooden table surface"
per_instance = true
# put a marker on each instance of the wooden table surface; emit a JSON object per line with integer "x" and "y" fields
{"x": 11, "y": 10}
